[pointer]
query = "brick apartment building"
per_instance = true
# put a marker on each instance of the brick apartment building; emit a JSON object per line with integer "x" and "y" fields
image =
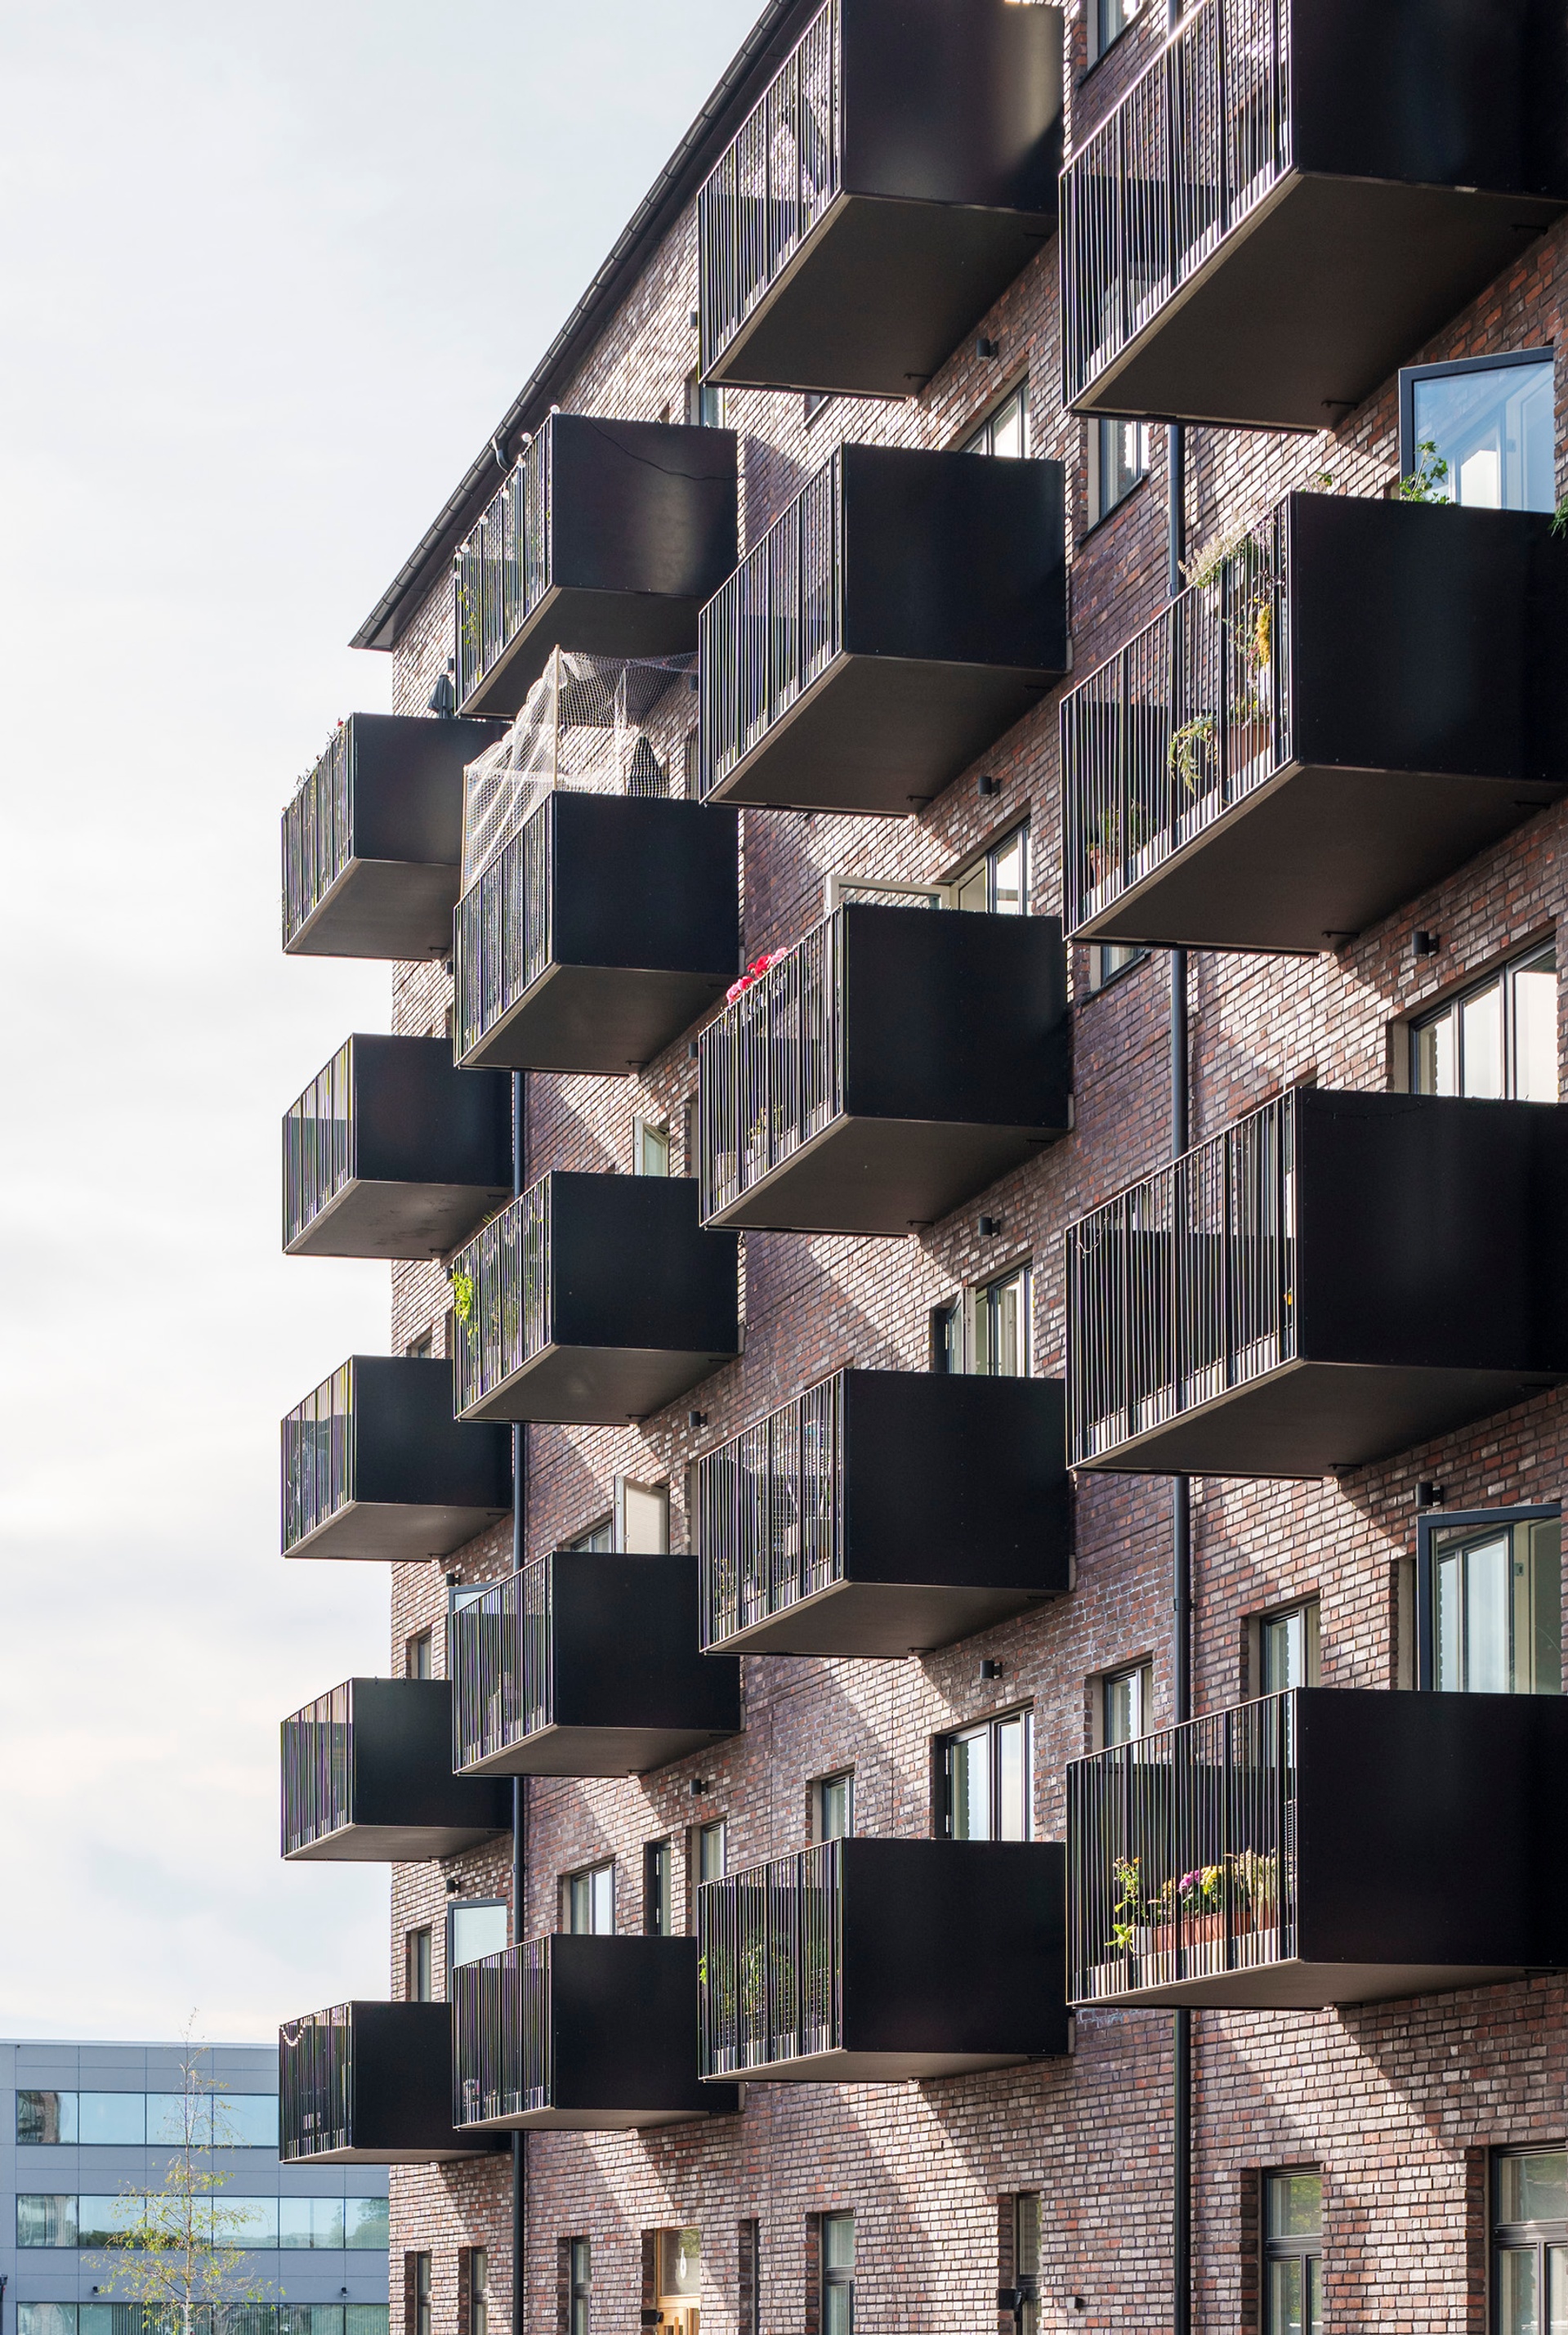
{"x": 1015, "y": 1776}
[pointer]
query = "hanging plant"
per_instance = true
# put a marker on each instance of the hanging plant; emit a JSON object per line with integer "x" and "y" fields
{"x": 463, "y": 1296}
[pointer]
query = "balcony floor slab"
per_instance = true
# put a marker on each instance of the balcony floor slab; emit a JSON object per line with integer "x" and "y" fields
{"x": 872, "y": 2066}
{"x": 596, "y": 1386}
{"x": 617, "y": 2119}
{"x": 599, "y": 623}
{"x": 395, "y": 1221}
{"x": 862, "y": 1619}
{"x": 596, "y": 1021}
{"x": 1305, "y": 1986}
{"x": 352, "y": 2155}
{"x": 388, "y": 1532}
{"x": 881, "y": 1176}
{"x": 567, "y": 1750}
{"x": 1314, "y": 1419}
{"x": 1315, "y": 298}
{"x": 878, "y": 295}
{"x": 1313, "y": 857}
{"x": 390, "y": 909}
{"x": 881, "y": 735}
{"x": 363, "y": 1844}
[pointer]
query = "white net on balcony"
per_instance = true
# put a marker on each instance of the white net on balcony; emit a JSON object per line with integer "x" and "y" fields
{"x": 607, "y": 725}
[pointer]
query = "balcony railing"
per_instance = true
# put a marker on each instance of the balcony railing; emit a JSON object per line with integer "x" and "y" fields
{"x": 318, "y": 1144}
{"x": 318, "y": 1457}
{"x": 771, "y": 1074}
{"x": 1184, "y": 1286}
{"x": 772, "y": 184}
{"x": 1190, "y": 717}
{"x": 501, "y": 1667}
{"x": 501, "y": 2034}
{"x": 501, "y": 1285}
{"x": 1183, "y": 1852}
{"x": 503, "y": 570}
{"x": 775, "y": 626}
{"x": 315, "y": 2065}
{"x": 1194, "y": 146}
{"x": 318, "y": 1756}
{"x": 770, "y": 1508}
{"x": 771, "y": 1944}
{"x": 318, "y": 832}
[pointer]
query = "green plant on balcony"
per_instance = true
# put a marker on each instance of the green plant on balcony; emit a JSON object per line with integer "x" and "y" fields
{"x": 1429, "y": 481}
{"x": 464, "y": 1297}
{"x": 1188, "y": 754}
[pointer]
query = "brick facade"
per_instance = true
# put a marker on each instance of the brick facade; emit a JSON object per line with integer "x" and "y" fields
{"x": 1397, "y": 2103}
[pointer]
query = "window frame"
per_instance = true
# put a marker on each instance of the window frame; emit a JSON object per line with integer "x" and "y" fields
{"x": 1016, "y": 393}
{"x": 659, "y": 1887}
{"x": 1445, "y": 369}
{"x": 1449, "y": 1003}
{"x": 1143, "y": 1671}
{"x": 588, "y": 1874}
{"x": 836, "y": 2276}
{"x": 1099, "y": 46}
{"x": 1436, "y": 1520}
{"x": 1097, "y": 510}
{"x": 421, "y": 2290}
{"x": 425, "y": 1931}
{"x": 710, "y": 1827}
{"x": 1519, "y": 2237}
{"x": 456, "y": 1905}
{"x": 419, "y": 1648}
{"x": 943, "y": 1768}
{"x": 1099, "y": 980}
{"x": 986, "y": 860}
{"x": 818, "y": 1787}
{"x": 1309, "y": 1602}
{"x": 654, "y": 1132}
{"x": 961, "y": 1313}
{"x": 1290, "y": 2249}
{"x": 579, "y": 2285}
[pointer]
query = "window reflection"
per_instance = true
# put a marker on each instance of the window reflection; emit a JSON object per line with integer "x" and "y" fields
{"x": 1496, "y": 1041}
{"x": 1497, "y": 1608}
{"x": 1494, "y": 429}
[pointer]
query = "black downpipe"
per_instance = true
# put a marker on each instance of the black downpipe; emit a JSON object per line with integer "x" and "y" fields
{"x": 520, "y": 1783}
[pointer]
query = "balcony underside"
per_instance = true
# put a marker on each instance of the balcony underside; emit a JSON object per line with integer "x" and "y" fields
{"x": 387, "y": 908}
{"x": 395, "y": 1221}
{"x": 370, "y": 1843}
{"x": 879, "y": 295}
{"x": 1314, "y": 1418}
{"x": 1317, "y": 296}
{"x": 600, "y": 1021}
{"x": 597, "y": 1750}
{"x": 617, "y": 2119}
{"x": 871, "y": 2067}
{"x": 350, "y": 2155}
{"x": 1313, "y": 857}
{"x": 871, "y": 1618}
{"x": 599, "y": 623}
{"x": 881, "y": 735}
{"x": 1297, "y": 1986}
{"x": 595, "y": 1386}
{"x": 393, "y": 1533}
{"x": 881, "y": 1176}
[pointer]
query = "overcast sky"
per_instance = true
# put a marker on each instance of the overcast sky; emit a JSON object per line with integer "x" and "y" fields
{"x": 269, "y": 277}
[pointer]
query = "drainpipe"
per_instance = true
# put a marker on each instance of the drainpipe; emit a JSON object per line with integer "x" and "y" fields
{"x": 520, "y": 1783}
{"x": 1181, "y": 1502}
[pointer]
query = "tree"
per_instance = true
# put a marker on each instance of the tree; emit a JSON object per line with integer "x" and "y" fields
{"x": 180, "y": 2257}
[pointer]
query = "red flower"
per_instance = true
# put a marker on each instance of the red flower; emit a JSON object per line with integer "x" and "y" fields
{"x": 754, "y": 972}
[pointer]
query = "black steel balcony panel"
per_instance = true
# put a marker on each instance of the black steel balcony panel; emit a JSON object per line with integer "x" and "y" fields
{"x": 367, "y": 1778}
{"x": 370, "y": 2083}
{"x": 371, "y": 848}
{"x": 894, "y": 179}
{"x": 1301, "y": 1852}
{"x": 642, "y": 934}
{"x": 880, "y": 1176}
{"x": 637, "y": 529}
{"x": 376, "y": 1465}
{"x": 393, "y": 1152}
{"x": 1409, "y": 713}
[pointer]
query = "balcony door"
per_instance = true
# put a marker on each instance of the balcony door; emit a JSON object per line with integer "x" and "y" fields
{"x": 1489, "y": 1602}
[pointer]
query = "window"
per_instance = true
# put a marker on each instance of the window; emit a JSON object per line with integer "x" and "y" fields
{"x": 417, "y": 1656}
{"x": 1118, "y": 462}
{"x": 418, "y": 2277}
{"x": 1499, "y": 1039}
{"x": 588, "y": 1901}
{"x": 601, "y": 1536}
{"x": 837, "y": 2313}
{"x": 1108, "y": 960}
{"x": 1292, "y": 2253}
{"x": 986, "y": 1773}
{"x": 1490, "y": 421}
{"x": 424, "y": 1345}
{"x": 812, "y": 403}
{"x": 641, "y": 1518}
{"x": 997, "y": 884}
{"x": 115, "y": 2119}
{"x": 1127, "y": 1704}
{"x": 704, "y": 406}
{"x": 712, "y": 1850}
{"x": 986, "y": 1331}
{"x": 1489, "y": 1602}
{"x": 833, "y": 1806}
{"x": 1107, "y": 21}
{"x": 749, "y": 2248}
{"x": 1026, "y": 2261}
{"x": 1530, "y": 2241}
{"x": 690, "y": 765}
{"x": 417, "y": 1966}
{"x": 478, "y": 2290}
{"x": 475, "y": 1926}
{"x": 659, "y": 1889}
{"x": 650, "y": 1148}
{"x": 1288, "y": 1648}
{"x": 259, "y": 2318}
{"x": 679, "y": 2279}
{"x": 45, "y": 2221}
{"x": 579, "y": 2284}
{"x": 366, "y": 2229}
{"x": 313, "y": 2224}
{"x": 1006, "y": 432}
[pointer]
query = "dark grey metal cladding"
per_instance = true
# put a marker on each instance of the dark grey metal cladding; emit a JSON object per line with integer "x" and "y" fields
{"x": 642, "y": 528}
{"x": 1427, "y": 718}
{"x": 430, "y": 1154}
{"x": 644, "y": 932}
{"x": 951, "y": 138}
{"x": 395, "y": 897}
{"x": 1425, "y": 150}
{"x": 423, "y": 1484}
{"x": 624, "y": 2035}
{"x": 954, "y": 625}
{"x": 400, "y": 2087}
{"x": 404, "y": 1804}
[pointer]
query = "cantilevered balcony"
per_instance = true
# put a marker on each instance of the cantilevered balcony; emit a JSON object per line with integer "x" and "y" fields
{"x": 1330, "y": 1281}
{"x": 587, "y": 1664}
{"x": 369, "y": 2083}
{"x": 593, "y": 1299}
{"x": 580, "y": 2034}
{"x": 1317, "y": 1847}
{"x": 884, "y": 1961}
{"x": 607, "y": 535}
{"x": 367, "y": 1778}
{"x": 373, "y": 838}
{"x": 896, "y": 175}
{"x": 1292, "y": 198}
{"x": 599, "y": 930}
{"x": 884, "y": 1512}
{"x": 1348, "y": 703}
{"x": 895, "y": 1063}
{"x": 899, "y": 615}
{"x": 376, "y": 1465}
{"x": 391, "y": 1152}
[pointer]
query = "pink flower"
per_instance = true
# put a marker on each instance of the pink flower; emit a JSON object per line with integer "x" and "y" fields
{"x": 754, "y": 972}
